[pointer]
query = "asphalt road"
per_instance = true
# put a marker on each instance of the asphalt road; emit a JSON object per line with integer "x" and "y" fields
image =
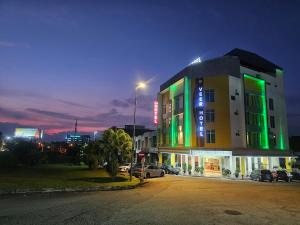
{"x": 168, "y": 200}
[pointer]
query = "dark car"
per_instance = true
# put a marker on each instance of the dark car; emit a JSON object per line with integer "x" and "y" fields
{"x": 261, "y": 175}
{"x": 296, "y": 176}
{"x": 170, "y": 170}
{"x": 283, "y": 175}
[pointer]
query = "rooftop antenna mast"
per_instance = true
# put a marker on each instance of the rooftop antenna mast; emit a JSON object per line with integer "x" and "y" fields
{"x": 75, "y": 127}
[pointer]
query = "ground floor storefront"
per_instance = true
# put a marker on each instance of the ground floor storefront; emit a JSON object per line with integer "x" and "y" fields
{"x": 218, "y": 163}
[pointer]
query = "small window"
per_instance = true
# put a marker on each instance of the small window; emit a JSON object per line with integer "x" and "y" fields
{"x": 210, "y": 136}
{"x": 210, "y": 115}
{"x": 232, "y": 97}
{"x": 210, "y": 95}
{"x": 272, "y": 121}
{"x": 271, "y": 104}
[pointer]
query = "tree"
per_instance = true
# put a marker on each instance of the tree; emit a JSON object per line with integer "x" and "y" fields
{"x": 25, "y": 152}
{"x": 117, "y": 146}
{"x": 93, "y": 154}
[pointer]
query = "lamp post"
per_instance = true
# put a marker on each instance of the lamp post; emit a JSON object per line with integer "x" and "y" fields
{"x": 140, "y": 85}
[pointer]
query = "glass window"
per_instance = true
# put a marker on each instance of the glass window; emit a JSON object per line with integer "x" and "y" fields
{"x": 210, "y": 115}
{"x": 272, "y": 121}
{"x": 210, "y": 136}
{"x": 179, "y": 129}
{"x": 153, "y": 141}
{"x": 210, "y": 95}
{"x": 271, "y": 104}
{"x": 178, "y": 104}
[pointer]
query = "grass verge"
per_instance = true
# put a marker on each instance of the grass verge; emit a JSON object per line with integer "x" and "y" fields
{"x": 59, "y": 176}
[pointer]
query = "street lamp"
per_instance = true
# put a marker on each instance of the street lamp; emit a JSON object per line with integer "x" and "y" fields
{"x": 140, "y": 85}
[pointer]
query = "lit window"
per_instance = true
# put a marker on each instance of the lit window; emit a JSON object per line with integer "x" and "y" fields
{"x": 210, "y": 136}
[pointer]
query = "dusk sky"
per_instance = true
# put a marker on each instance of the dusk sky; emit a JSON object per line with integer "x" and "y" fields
{"x": 67, "y": 60}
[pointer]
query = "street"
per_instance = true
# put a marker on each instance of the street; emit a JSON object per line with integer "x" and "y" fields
{"x": 167, "y": 200}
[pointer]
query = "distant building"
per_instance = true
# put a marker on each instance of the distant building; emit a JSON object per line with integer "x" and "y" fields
{"x": 146, "y": 146}
{"x": 78, "y": 139}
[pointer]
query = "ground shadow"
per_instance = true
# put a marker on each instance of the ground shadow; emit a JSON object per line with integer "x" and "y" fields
{"x": 102, "y": 179}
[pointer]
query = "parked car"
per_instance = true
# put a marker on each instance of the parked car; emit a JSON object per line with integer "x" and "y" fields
{"x": 135, "y": 168}
{"x": 284, "y": 175}
{"x": 296, "y": 176}
{"x": 170, "y": 170}
{"x": 261, "y": 175}
{"x": 125, "y": 167}
{"x": 149, "y": 171}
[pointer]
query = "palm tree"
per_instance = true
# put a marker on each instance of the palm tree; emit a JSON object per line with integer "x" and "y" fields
{"x": 117, "y": 145}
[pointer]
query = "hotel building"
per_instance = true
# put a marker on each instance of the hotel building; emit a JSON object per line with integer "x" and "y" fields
{"x": 224, "y": 113}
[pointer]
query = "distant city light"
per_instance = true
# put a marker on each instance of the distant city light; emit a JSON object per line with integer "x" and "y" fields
{"x": 197, "y": 60}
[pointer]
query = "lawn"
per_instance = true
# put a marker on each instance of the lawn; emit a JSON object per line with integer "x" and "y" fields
{"x": 58, "y": 176}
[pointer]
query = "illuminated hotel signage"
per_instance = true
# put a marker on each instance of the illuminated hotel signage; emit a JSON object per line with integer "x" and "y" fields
{"x": 155, "y": 111}
{"x": 199, "y": 111}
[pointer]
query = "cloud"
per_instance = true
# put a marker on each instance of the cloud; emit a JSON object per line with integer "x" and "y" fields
{"x": 73, "y": 103}
{"x": 120, "y": 103}
{"x": 144, "y": 102}
{"x": 53, "y": 114}
{"x": 30, "y": 94}
{"x": 13, "y": 114}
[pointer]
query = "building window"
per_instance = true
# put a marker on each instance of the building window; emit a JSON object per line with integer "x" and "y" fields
{"x": 153, "y": 143}
{"x": 210, "y": 136}
{"x": 164, "y": 109}
{"x": 178, "y": 104}
{"x": 179, "y": 129}
{"x": 271, "y": 104}
{"x": 146, "y": 142}
{"x": 272, "y": 121}
{"x": 209, "y": 95}
{"x": 210, "y": 115}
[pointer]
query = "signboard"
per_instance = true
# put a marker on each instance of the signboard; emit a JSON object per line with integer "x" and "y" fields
{"x": 210, "y": 153}
{"x": 27, "y": 133}
{"x": 155, "y": 112}
{"x": 199, "y": 111}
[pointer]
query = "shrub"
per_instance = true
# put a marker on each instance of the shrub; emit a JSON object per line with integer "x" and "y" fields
{"x": 7, "y": 160}
{"x": 184, "y": 167}
{"x": 226, "y": 172}
{"x": 92, "y": 161}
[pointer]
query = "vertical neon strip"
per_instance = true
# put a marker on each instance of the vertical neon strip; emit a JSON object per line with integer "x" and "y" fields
{"x": 281, "y": 139}
{"x": 187, "y": 114}
{"x": 262, "y": 85}
{"x": 173, "y": 132}
{"x": 265, "y": 115}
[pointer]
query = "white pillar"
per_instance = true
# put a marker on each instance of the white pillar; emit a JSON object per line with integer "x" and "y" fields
{"x": 187, "y": 164}
{"x": 249, "y": 165}
{"x": 193, "y": 164}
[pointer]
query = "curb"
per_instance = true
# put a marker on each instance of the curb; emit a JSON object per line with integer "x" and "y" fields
{"x": 63, "y": 190}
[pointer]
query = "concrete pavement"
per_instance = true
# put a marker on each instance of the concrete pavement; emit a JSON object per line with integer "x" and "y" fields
{"x": 168, "y": 200}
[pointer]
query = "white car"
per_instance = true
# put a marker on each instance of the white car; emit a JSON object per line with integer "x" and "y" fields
{"x": 124, "y": 168}
{"x": 149, "y": 171}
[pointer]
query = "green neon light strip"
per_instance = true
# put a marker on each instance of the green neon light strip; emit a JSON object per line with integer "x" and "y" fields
{"x": 281, "y": 139}
{"x": 262, "y": 85}
{"x": 173, "y": 88}
{"x": 187, "y": 114}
